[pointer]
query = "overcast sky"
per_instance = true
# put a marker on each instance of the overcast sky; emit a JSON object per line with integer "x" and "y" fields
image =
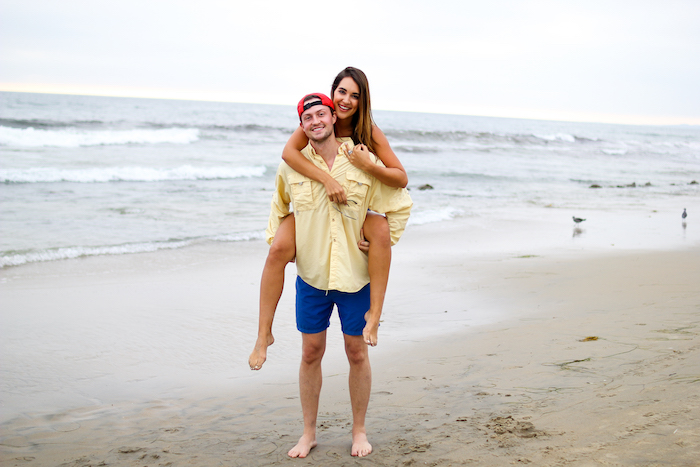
{"x": 633, "y": 61}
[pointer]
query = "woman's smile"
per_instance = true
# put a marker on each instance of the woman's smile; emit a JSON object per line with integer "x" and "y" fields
{"x": 346, "y": 98}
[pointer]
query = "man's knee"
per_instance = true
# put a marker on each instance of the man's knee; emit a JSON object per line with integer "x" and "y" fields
{"x": 312, "y": 352}
{"x": 356, "y": 350}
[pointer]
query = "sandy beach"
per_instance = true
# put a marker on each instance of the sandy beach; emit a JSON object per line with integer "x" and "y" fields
{"x": 524, "y": 355}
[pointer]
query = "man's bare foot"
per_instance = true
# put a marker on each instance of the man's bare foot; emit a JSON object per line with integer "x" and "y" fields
{"x": 360, "y": 445}
{"x": 259, "y": 355}
{"x": 371, "y": 330}
{"x": 303, "y": 447}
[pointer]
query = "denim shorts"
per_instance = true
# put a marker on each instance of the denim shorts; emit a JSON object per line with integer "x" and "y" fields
{"x": 315, "y": 306}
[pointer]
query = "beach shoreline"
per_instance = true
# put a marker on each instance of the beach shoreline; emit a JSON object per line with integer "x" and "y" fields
{"x": 496, "y": 369}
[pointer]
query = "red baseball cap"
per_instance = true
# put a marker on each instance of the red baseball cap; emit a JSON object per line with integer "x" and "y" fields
{"x": 325, "y": 100}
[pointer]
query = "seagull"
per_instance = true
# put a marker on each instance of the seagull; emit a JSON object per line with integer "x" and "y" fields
{"x": 578, "y": 220}
{"x": 685, "y": 214}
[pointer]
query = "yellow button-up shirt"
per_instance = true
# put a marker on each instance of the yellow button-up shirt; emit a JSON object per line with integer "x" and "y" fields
{"x": 327, "y": 233}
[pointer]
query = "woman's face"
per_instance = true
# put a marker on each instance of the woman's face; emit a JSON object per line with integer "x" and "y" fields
{"x": 346, "y": 98}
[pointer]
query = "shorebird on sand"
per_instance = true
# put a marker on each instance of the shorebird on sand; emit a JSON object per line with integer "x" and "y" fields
{"x": 578, "y": 220}
{"x": 685, "y": 214}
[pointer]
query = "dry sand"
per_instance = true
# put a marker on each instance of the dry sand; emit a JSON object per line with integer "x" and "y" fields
{"x": 529, "y": 388}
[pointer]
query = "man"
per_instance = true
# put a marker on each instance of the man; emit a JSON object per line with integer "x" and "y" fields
{"x": 331, "y": 268}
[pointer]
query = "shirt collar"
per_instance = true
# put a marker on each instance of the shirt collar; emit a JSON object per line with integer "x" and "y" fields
{"x": 314, "y": 154}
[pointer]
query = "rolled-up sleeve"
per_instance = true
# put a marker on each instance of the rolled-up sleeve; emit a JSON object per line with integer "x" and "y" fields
{"x": 280, "y": 205}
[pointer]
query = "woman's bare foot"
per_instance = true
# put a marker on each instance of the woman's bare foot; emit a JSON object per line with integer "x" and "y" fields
{"x": 371, "y": 330}
{"x": 303, "y": 447}
{"x": 360, "y": 445}
{"x": 259, "y": 355}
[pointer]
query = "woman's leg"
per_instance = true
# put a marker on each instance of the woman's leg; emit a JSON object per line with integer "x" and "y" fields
{"x": 376, "y": 230}
{"x": 282, "y": 251}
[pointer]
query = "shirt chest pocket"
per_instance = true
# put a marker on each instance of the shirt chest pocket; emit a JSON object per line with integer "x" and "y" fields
{"x": 302, "y": 194}
{"x": 356, "y": 186}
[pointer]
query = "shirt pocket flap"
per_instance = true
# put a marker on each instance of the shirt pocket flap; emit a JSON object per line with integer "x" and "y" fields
{"x": 302, "y": 192}
{"x": 295, "y": 178}
{"x": 358, "y": 177}
{"x": 357, "y": 186}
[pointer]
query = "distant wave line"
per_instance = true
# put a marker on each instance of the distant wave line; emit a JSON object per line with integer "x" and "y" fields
{"x": 120, "y": 125}
{"x": 127, "y": 174}
{"x": 44, "y": 124}
{"x": 399, "y": 135}
{"x": 75, "y": 137}
{"x": 481, "y": 137}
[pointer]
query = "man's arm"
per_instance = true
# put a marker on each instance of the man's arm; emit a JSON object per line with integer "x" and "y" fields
{"x": 279, "y": 208}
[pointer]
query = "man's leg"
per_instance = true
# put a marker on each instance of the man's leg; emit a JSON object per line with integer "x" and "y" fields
{"x": 360, "y": 386}
{"x": 310, "y": 379}
{"x": 281, "y": 252}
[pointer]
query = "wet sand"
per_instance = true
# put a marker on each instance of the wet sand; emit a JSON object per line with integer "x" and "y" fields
{"x": 586, "y": 358}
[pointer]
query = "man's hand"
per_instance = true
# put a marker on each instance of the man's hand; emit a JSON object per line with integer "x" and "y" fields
{"x": 363, "y": 244}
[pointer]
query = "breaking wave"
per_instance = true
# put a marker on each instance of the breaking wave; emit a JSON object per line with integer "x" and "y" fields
{"x": 73, "y": 137}
{"x": 127, "y": 174}
{"x": 54, "y": 254}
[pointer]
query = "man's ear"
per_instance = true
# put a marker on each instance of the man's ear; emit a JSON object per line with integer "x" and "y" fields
{"x": 335, "y": 117}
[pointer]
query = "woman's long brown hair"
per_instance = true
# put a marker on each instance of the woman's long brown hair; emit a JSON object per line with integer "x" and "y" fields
{"x": 362, "y": 121}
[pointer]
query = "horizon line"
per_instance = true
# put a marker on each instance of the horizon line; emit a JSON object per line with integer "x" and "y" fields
{"x": 511, "y": 113}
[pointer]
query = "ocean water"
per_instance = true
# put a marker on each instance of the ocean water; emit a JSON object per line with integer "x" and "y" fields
{"x": 89, "y": 176}
{"x": 113, "y": 177}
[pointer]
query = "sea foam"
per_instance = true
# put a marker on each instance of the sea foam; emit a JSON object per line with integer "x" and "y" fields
{"x": 54, "y": 254}
{"x": 434, "y": 215}
{"x": 80, "y": 251}
{"x": 73, "y": 137}
{"x": 558, "y": 137}
{"x": 126, "y": 174}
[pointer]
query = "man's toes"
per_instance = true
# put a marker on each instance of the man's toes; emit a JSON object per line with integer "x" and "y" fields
{"x": 361, "y": 449}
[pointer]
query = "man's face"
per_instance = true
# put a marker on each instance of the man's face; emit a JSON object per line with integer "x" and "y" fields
{"x": 317, "y": 122}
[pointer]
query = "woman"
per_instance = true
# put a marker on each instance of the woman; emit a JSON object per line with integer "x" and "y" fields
{"x": 351, "y": 99}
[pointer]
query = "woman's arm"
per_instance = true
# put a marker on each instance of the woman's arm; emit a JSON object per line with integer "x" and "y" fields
{"x": 292, "y": 155}
{"x": 393, "y": 174}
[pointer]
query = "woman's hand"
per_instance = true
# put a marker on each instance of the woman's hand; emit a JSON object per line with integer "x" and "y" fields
{"x": 359, "y": 157}
{"x": 363, "y": 244}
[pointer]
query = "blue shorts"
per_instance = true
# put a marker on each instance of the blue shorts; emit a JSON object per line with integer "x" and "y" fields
{"x": 314, "y": 309}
